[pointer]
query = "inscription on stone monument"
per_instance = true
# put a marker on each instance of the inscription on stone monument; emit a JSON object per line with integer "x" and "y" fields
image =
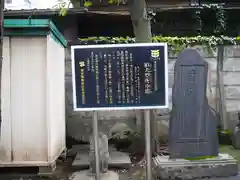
{"x": 193, "y": 130}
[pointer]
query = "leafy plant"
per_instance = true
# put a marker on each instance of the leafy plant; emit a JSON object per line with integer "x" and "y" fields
{"x": 176, "y": 44}
{"x": 219, "y": 15}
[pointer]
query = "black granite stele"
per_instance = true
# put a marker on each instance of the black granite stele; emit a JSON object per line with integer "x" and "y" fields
{"x": 193, "y": 128}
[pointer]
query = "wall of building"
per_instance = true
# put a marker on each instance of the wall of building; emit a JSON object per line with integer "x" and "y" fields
{"x": 18, "y": 4}
{"x": 79, "y": 124}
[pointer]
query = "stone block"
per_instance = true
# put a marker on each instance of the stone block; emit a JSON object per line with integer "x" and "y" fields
{"x": 68, "y": 68}
{"x": 68, "y": 86}
{"x": 232, "y": 51}
{"x": 171, "y": 63}
{"x": 222, "y": 166}
{"x": 231, "y": 64}
{"x": 170, "y": 98}
{"x": 117, "y": 160}
{"x": 231, "y": 78}
{"x": 229, "y": 51}
{"x": 232, "y": 92}
{"x": 170, "y": 80}
{"x": 68, "y": 53}
{"x": 232, "y": 105}
{"x": 203, "y": 50}
{"x": 212, "y": 63}
{"x": 213, "y": 78}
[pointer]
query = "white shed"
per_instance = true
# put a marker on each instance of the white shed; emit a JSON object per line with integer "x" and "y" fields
{"x": 33, "y": 93}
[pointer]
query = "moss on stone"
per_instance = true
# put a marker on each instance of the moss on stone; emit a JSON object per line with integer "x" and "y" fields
{"x": 200, "y": 158}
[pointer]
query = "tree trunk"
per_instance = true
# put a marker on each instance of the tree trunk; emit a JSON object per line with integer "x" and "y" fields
{"x": 142, "y": 30}
{"x": 140, "y": 21}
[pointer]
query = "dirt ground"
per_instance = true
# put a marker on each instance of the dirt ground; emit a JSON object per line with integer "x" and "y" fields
{"x": 64, "y": 171}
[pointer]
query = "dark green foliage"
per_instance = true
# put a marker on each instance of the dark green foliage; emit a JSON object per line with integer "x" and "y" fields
{"x": 175, "y": 43}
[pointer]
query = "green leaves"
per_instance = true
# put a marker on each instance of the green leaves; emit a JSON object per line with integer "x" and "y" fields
{"x": 176, "y": 44}
{"x": 220, "y": 16}
{"x": 63, "y": 12}
{"x": 63, "y": 6}
{"x": 87, "y": 3}
{"x": 114, "y": 2}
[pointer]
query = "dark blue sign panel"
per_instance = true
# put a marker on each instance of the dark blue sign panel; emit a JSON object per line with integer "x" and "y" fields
{"x": 123, "y": 76}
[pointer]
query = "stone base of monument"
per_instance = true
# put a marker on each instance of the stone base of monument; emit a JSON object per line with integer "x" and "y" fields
{"x": 117, "y": 159}
{"x": 85, "y": 175}
{"x": 222, "y": 166}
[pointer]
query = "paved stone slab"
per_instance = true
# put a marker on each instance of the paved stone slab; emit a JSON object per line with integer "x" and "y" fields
{"x": 228, "y": 178}
{"x": 85, "y": 147}
{"x": 222, "y": 166}
{"x": 84, "y": 175}
{"x": 117, "y": 159}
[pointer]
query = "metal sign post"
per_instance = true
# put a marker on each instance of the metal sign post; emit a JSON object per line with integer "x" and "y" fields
{"x": 96, "y": 144}
{"x": 120, "y": 77}
{"x": 148, "y": 145}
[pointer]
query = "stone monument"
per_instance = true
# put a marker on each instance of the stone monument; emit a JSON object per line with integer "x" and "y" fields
{"x": 105, "y": 174}
{"x": 111, "y": 157}
{"x": 193, "y": 126}
{"x": 193, "y": 139}
{"x": 103, "y": 153}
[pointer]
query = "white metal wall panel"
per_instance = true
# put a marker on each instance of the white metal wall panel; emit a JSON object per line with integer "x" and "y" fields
{"x": 28, "y": 92}
{"x": 6, "y": 139}
{"x": 55, "y": 97}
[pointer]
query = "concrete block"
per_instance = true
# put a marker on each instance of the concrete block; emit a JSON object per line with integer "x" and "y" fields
{"x": 232, "y": 51}
{"x": 231, "y": 64}
{"x": 232, "y": 92}
{"x": 212, "y": 63}
{"x": 117, "y": 160}
{"x": 231, "y": 78}
{"x": 171, "y": 63}
{"x": 222, "y": 166}
{"x": 233, "y": 105}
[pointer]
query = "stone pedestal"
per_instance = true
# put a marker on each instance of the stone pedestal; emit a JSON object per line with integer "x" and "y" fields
{"x": 117, "y": 159}
{"x": 222, "y": 166}
{"x": 85, "y": 175}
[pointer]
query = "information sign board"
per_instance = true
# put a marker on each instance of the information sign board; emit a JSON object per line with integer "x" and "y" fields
{"x": 120, "y": 76}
